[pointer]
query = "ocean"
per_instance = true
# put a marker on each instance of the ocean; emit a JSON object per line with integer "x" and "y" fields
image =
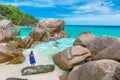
{"x": 47, "y": 49}
{"x": 74, "y": 30}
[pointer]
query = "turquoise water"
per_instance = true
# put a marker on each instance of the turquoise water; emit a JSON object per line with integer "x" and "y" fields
{"x": 74, "y": 30}
{"x": 97, "y": 30}
{"x": 47, "y": 49}
{"x": 24, "y": 31}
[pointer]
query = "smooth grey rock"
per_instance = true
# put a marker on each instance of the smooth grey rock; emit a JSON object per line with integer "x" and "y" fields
{"x": 37, "y": 70}
{"x": 15, "y": 79}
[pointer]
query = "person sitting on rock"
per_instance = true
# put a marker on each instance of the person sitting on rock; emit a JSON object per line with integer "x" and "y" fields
{"x": 32, "y": 59}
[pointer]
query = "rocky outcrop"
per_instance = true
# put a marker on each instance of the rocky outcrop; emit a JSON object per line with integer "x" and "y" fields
{"x": 72, "y": 56}
{"x": 95, "y": 70}
{"x": 17, "y": 60}
{"x": 112, "y": 52}
{"x": 6, "y": 33}
{"x": 11, "y": 54}
{"x": 5, "y": 54}
{"x": 37, "y": 70}
{"x": 47, "y": 29}
{"x": 13, "y": 44}
{"x": 84, "y": 39}
{"x": 27, "y": 42}
{"x": 100, "y": 44}
{"x": 21, "y": 43}
{"x": 37, "y": 33}
{"x": 16, "y": 32}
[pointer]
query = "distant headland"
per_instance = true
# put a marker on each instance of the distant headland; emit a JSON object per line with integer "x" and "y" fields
{"x": 16, "y": 16}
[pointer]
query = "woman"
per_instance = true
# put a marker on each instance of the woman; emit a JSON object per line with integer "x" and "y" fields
{"x": 32, "y": 59}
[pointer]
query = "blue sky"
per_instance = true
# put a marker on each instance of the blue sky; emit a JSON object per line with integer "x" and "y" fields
{"x": 74, "y": 12}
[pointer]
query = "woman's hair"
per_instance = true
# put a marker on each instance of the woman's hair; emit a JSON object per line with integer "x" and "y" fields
{"x": 31, "y": 53}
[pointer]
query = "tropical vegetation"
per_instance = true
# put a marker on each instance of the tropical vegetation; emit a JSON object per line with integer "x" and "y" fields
{"x": 17, "y": 17}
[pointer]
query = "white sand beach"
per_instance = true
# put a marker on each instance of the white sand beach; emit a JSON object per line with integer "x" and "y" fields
{"x": 7, "y": 71}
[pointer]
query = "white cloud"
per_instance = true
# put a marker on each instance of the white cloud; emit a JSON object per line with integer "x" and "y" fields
{"x": 95, "y": 7}
{"x": 41, "y": 3}
{"x": 66, "y": 2}
{"x": 35, "y": 3}
{"x": 106, "y": 19}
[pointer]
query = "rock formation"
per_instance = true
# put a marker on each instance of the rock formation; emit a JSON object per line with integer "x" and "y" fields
{"x": 37, "y": 70}
{"x": 48, "y": 29}
{"x": 112, "y": 52}
{"x": 100, "y": 44}
{"x": 71, "y": 56}
{"x": 11, "y": 54}
{"x": 95, "y": 70}
{"x": 84, "y": 39}
{"x": 5, "y": 31}
{"x": 13, "y": 78}
{"x": 117, "y": 72}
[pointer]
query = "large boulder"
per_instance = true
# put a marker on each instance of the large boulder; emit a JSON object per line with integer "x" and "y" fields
{"x": 112, "y": 52}
{"x": 10, "y": 54}
{"x": 71, "y": 56}
{"x": 27, "y": 42}
{"x": 13, "y": 44}
{"x": 47, "y": 29}
{"x": 5, "y": 31}
{"x": 117, "y": 72}
{"x": 21, "y": 43}
{"x": 17, "y": 60}
{"x": 5, "y": 54}
{"x": 101, "y": 43}
{"x": 84, "y": 39}
{"x": 37, "y": 70}
{"x": 74, "y": 74}
{"x": 37, "y": 33}
{"x": 95, "y": 70}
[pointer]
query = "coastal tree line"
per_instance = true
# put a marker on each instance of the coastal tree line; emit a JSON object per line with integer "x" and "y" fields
{"x": 16, "y": 16}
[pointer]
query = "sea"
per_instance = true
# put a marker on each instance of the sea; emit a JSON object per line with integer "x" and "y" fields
{"x": 44, "y": 51}
{"x": 47, "y": 49}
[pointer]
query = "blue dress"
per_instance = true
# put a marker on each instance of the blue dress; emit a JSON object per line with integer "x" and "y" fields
{"x": 32, "y": 60}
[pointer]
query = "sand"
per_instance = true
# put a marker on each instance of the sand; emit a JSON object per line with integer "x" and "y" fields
{"x": 7, "y": 71}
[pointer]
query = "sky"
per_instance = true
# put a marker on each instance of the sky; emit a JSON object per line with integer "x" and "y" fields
{"x": 74, "y": 12}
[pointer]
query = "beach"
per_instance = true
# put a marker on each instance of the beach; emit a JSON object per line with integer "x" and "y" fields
{"x": 7, "y": 71}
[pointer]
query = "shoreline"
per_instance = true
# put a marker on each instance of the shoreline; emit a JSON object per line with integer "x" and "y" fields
{"x": 15, "y": 70}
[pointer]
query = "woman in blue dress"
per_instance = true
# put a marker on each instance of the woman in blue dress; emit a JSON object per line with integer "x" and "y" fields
{"x": 32, "y": 59}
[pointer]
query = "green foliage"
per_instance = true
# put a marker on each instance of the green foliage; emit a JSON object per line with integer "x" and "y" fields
{"x": 15, "y": 15}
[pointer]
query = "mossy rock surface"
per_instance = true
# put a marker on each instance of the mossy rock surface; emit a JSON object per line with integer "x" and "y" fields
{"x": 37, "y": 70}
{"x": 15, "y": 79}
